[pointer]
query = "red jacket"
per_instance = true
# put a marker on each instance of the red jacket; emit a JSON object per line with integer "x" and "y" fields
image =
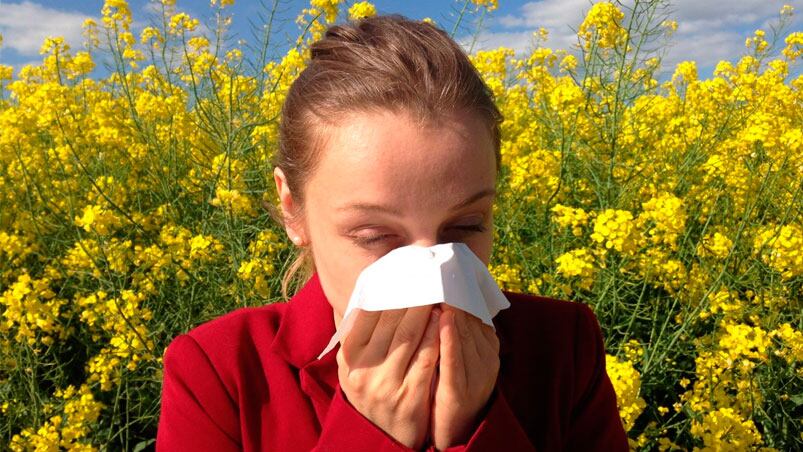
{"x": 249, "y": 380}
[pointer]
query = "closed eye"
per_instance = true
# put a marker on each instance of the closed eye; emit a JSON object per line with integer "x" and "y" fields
{"x": 370, "y": 240}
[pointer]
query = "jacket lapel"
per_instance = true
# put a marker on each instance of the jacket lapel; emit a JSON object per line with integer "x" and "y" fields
{"x": 306, "y": 327}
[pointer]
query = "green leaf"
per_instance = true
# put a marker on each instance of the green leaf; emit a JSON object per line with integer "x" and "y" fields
{"x": 143, "y": 444}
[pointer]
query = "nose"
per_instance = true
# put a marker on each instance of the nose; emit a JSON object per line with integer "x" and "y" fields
{"x": 427, "y": 240}
{"x": 427, "y": 234}
{"x": 425, "y": 243}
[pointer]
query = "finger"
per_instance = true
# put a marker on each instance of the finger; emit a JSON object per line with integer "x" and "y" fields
{"x": 452, "y": 367}
{"x": 468, "y": 344}
{"x": 491, "y": 339}
{"x": 487, "y": 347}
{"x": 481, "y": 364}
{"x": 361, "y": 330}
{"x": 407, "y": 337}
{"x": 424, "y": 362}
{"x": 474, "y": 327}
{"x": 377, "y": 348}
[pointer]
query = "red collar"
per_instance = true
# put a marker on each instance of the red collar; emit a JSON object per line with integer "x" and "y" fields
{"x": 305, "y": 329}
{"x": 307, "y": 325}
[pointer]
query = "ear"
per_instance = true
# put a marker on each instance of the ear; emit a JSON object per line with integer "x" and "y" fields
{"x": 289, "y": 208}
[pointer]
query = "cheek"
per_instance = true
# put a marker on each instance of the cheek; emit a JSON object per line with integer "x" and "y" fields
{"x": 483, "y": 247}
{"x": 339, "y": 267}
{"x": 337, "y": 284}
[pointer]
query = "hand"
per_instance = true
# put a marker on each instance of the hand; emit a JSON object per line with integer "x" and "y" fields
{"x": 386, "y": 366}
{"x": 469, "y": 365}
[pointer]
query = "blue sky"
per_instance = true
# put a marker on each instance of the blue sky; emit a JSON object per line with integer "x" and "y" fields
{"x": 709, "y": 30}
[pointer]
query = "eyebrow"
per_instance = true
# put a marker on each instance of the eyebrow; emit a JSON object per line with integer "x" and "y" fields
{"x": 385, "y": 209}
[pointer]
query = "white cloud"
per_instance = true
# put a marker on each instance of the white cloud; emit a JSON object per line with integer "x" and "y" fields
{"x": 26, "y": 25}
{"x": 548, "y": 13}
{"x": 153, "y": 8}
{"x": 727, "y": 11}
{"x": 708, "y": 30}
{"x": 557, "y": 16}
{"x": 19, "y": 65}
{"x": 518, "y": 41}
{"x": 704, "y": 48}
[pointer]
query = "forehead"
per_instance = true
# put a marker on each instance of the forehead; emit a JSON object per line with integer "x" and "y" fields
{"x": 385, "y": 156}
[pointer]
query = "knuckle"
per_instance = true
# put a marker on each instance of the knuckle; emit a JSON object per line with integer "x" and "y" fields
{"x": 384, "y": 393}
{"x": 342, "y": 362}
{"x": 389, "y": 396}
{"x": 493, "y": 339}
{"x": 422, "y": 310}
{"x": 368, "y": 315}
{"x": 357, "y": 392}
{"x": 389, "y": 318}
{"x": 427, "y": 360}
{"x": 405, "y": 334}
{"x": 355, "y": 378}
{"x": 346, "y": 355}
{"x": 465, "y": 332}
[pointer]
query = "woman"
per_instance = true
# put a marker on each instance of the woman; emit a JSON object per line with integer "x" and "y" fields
{"x": 388, "y": 138}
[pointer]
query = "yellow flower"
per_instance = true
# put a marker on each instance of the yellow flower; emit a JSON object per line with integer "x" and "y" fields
{"x": 182, "y": 22}
{"x": 792, "y": 339}
{"x": 626, "y": 382}
{"x": 234, "y": 201}
{"x": 579, "y": 263}
{"x": 116, "y": 14}
{"x": 568, "y": 63}
{"x": 685, "y": 71}
{"x": 757, "y": 41}
{"x": 794, "y": 46}
{"x": 574, "y": 218}
{"x": 329, "y": 8}
{"x": 490, "y": 5}
{"x": 98, "y": 219}
{"x": 151, "y": 33}
{"x": 507, "y": 277}
{"x": 602, "y": 25}
{"x": 670, "y": 25}
{"x": 360, "y": 10}
{"x": 716, "y": 245}
{"x": 725, "y": 429}
{"x": 666, "y": 217}
{"x": 614, "y": 229}
{"x": 781, "y": 249}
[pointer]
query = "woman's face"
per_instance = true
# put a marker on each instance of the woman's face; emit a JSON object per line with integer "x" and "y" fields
{"x": 383, "y": 182}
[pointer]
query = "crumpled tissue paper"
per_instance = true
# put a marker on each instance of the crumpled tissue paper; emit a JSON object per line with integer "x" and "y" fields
{"x": 415, "y": 275}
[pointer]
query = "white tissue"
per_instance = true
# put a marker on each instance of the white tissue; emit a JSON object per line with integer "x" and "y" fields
{"x": 414, "y": 275}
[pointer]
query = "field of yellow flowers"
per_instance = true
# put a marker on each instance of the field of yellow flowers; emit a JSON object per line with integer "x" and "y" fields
{"x": 132, "y": 208}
